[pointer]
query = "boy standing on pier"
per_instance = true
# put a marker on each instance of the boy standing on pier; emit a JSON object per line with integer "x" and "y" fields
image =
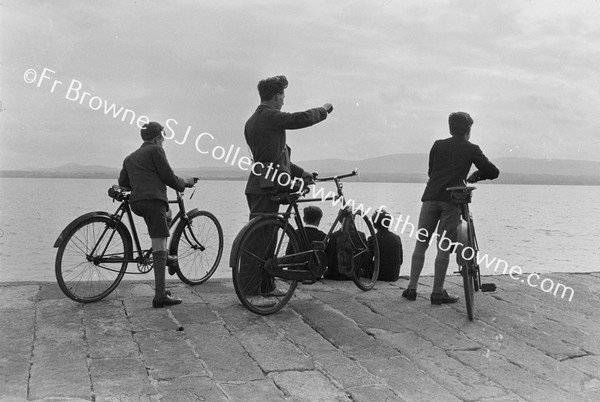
{"x": 148, "y": 173}
{"x": 449, "y": 163}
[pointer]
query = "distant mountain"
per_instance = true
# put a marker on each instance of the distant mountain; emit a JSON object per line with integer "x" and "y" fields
{"x": 74, "y": 167}
{"x": 390, "y": 168}
{"x": 413, "y": 168}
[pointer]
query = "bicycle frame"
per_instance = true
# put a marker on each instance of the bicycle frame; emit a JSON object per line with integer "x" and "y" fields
{"x": 143, "y": 256}
{"x": 300, "y": 259}
{"x": 342, "y": 213}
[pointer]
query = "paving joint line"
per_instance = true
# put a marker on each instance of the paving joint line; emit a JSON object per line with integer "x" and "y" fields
{"x": 88, "y": 358}
{"x": 33, "y": 342}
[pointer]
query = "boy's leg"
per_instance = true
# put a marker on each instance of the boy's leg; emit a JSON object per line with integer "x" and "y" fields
{"x": 159, "y": 256}
{"x": 428, "y": 219}
{"x": 258, "y": 281}
{"x": 155, "y": 215}
{"x": 449, "y": 219}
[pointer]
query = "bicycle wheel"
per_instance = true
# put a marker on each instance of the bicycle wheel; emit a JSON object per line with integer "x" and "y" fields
{"x": 259, "y": 291}
{"x": 468, "y": 272}
{"x": 366, "y": 259}
{"x": 79, "y": 274}
{"x": 198, "y": 247}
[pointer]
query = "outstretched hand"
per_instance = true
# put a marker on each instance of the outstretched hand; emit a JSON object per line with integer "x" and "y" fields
{"x": 328, "y": 107}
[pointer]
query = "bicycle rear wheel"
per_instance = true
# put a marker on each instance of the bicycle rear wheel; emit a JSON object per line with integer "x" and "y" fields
{"x": 78, "y": 271}
{"x": 259, "y": 291}
{"x": 198, "y": 247}
{"x": 366, "y": 258}
{"x": 468, "y": 274}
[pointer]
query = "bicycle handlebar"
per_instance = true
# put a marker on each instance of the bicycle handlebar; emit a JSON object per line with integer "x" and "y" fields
{"x": 338, "y": 177}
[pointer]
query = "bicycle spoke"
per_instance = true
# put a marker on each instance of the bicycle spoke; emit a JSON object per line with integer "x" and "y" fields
{"x": 198, "y": 245}
{"x": 264, "y": 241}
{"x": 77, "y": 273}
{"x": 366, "y": 256}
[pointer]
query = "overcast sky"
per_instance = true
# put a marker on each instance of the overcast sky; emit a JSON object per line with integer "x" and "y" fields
{"x": 527, "y": 71}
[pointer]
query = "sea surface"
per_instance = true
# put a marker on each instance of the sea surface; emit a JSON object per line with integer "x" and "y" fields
{"x": 538, "y": 228}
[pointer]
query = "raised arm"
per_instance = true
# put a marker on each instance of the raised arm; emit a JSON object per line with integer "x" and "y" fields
{"x": 293, "y": 121}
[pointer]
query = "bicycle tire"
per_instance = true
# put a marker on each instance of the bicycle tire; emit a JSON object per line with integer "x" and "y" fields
{"x": 468, "y": 285}
{"x": 366, "y": 258}
{"x": 198, "y": 245}
{"x": 78, "y": 276}
{"x": 265, "y": 239}
{"x": 471, "y": 285}
{"x": 476, "y": 271}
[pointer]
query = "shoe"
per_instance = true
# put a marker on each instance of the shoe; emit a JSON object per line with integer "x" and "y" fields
{"x": 167, "y": 300}
{"x": 275, "y": 293}
{"x": 308, "y": 281}
{"x": 443, "y": 298}
{"x": 264, "y": 302}
{"x": 410, "y": 294}
{"x": 172, "y": 264}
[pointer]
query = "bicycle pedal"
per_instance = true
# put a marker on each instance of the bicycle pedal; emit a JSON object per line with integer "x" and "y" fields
{"x": 488, "y": 287}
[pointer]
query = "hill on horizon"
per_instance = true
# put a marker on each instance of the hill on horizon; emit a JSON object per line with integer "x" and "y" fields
{"x": 387, "y": 168}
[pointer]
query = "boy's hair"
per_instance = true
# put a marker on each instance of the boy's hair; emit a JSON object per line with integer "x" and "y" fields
{"x": 378, "y": 218}
{"x": 459, "y": 123}
{"x": 313, "y": 215}
{"x": 269, "y": 87}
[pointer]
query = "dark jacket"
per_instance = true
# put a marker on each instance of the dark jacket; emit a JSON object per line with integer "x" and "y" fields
{"x": 390, "y": 254}
{"x": 147, "y": 172}
{"x": 265, "y": 135}
{"x": 312, "y": 233}
{"x": 449, "y": 163}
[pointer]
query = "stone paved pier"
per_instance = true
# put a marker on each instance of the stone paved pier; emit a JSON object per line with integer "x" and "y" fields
{"x": 332, "y": 342}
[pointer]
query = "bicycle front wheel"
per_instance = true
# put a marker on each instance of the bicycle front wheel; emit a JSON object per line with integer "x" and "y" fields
{"x": 468, "y": 274}
{"x": 259, "y": 291}
{"x": 79, "y": 272}
{"x": 198, "y": 245}
{"x": 366, "y": 258}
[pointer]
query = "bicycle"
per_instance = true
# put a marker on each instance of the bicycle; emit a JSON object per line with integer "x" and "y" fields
{"x": 269, "y": 257}
{"x": 95, "y": 249}
{"x": 468, "y": 249}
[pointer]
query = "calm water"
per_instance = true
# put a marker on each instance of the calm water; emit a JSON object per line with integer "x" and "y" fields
{"x": 539, "y": 228}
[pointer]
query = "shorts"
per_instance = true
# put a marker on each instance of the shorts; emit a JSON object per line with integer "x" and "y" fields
{"x": 154, "y": 213}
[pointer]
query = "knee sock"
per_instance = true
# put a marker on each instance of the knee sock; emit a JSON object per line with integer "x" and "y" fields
{"x": 160, "y": 261}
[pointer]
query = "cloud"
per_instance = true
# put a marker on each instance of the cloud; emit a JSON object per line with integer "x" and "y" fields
{"x": 526, "y": 71}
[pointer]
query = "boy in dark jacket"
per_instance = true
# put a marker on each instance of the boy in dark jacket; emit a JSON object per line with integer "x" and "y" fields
{"x": 148, "y": 173}
{"x": 390, "y": 247}
{"x": 449, "y": 163}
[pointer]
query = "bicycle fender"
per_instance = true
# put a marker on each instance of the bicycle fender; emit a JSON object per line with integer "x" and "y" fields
{"x": 462, "y": 240}
{"x": 179, "y": 215}
{"x": 74, "y": 223}
{"x": 178, "y": 221}
{"x": 236, "y": 242}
